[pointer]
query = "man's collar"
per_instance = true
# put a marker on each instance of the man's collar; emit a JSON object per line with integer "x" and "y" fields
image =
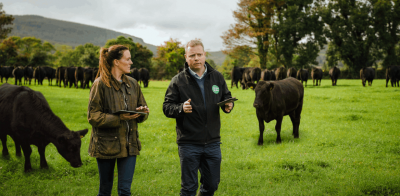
{"x": 195, "y": 74}
{"x": 116, "y": 84}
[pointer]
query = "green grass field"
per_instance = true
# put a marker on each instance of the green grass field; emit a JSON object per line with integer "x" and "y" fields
{"x": 349, "y": 145}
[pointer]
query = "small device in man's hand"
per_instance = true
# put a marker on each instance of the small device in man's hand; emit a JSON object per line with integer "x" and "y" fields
{"x": 227, "y": 101}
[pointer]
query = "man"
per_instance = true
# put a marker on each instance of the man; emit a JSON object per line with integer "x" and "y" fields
{"x": 191, "y": 99}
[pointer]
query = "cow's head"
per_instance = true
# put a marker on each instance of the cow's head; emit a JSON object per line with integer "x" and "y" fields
{"x": 263, "y": 93}
{"x": 70, "y": 146}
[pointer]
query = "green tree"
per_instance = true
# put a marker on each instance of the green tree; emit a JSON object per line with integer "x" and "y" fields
{"x": 349, "y": 26}
{"x": 241, "y": 55}
{"x": 171, "y": 56}
{"x": 8, "y": 52}
{"x": 90, "y": 56}
{"x": 5, "y": 23}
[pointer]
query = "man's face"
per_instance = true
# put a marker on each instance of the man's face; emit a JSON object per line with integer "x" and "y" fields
{"x": 195, "y": 57}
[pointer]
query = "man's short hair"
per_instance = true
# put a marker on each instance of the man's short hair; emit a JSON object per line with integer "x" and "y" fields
{"x": 193, "y": 43}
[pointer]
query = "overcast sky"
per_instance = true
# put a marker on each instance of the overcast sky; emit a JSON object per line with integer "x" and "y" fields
{"x": 155, "y": 21}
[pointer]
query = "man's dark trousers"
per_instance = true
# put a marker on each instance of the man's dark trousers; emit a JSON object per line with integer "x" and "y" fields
{"x": 204, "y": 158}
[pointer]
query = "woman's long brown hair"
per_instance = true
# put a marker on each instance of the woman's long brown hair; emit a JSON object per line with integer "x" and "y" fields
{"x": 107, "y": 56}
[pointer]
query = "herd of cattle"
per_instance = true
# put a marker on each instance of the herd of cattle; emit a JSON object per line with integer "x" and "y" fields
{"x": 245, "y": 75}
{"x": 69, "y": 76}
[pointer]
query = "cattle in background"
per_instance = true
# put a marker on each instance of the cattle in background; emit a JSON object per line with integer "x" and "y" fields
{"x": 236, "y": 76}
{"x": 39, "y": 74}
{"x": 50, "y": 74}
{"x": 302, "y": 75}
{"x": 6, "y": 72}
{"x": 69, "y": 76}
{"x": 18, "y": 74}
{"x": 367, "y": 74}
{"x": 393, "y": 74}
{"x": 79, "y": 76}
{"x": 251, "y": 74}
{"x": 61, "y": 75}
{"x": 316, "y": 74}
{"x": 280, "y": 73}
{"x": 277, "y": 99}
{"x": 291, "y": 72}
{"x": 27, "y": 118}
{"x": 28, "y": 75}
{"x": 134, "y": 74}
{"x": 334, "y": 73}
{"x": 87, "y": 77}
{"x": 268, "y": 75}
{"x": 144, "y": 76}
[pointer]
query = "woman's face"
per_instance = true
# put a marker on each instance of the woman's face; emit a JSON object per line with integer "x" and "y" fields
{"x": 124, "y": 64}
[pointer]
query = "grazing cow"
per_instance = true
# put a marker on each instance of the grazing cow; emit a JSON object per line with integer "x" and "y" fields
{"x": 27, "y": 118}
{"x": 134, "y": 74}
{"x": 6, "y": 72}
{"x": 61, "y": 75}
{"x": 393, "y": 73}
{"x": 28, "y": 75}
{"x": 302, "y": 75}
{"x": 144, "y": 76}
{"x": 236, "y": 75}
{"x": 39, "y": 74}
{"x": 291, "y": 72}
{"x": 79, "y": 76}
{"x": 69, "y": 77}
{"x": 251, "y": 74}
{"x": 267, "y": 75}
{"x": 18, "y": 74}
{"x": 50, "y": 74}
{"x": 277, "y": 99}
{"x": 280, "y": 73}
{"x": 87, "y": 77}
{"x": 367, "y": 74}
{"x": 316, "y": 74}
{"x": 334, "y": 73}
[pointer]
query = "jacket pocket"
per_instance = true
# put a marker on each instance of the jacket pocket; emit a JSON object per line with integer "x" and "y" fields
{"x": 139, "y": 144}
{"x": 109, "y": 146}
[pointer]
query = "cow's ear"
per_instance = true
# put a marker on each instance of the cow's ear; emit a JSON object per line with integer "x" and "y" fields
{"x": 82, "y": 133}
{"x": 270, "y": 86}
{"x": 251, "y": 85}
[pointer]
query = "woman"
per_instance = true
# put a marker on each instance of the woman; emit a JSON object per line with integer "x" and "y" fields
{"x": 115, "y": 137}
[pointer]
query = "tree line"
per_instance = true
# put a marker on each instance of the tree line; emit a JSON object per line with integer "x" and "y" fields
{"x": 291, "y": 33}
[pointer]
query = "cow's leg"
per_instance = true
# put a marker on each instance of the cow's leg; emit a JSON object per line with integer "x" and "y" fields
{"x": 313, "y": 83}
{"x": 26, "y": 148}
{"x": 17, "y": 147}
{"x": 43, "y": 162}
{"x": 261, "y": 127}
{"x": 278, "y": 129}
{"x": 3, "y": 138}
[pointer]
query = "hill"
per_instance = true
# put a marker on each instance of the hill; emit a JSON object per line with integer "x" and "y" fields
{"x": 68, "y": 33}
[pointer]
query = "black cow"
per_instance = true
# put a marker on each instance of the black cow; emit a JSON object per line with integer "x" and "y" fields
{"x": 367, "y": 74}
{"x": 134, "y": 74}
{"x": 27, "y": 118}
{"x": 280, "y": 73}
{"x": 61, "y": 75}
{"x": 277, "y": 99}
{"x": 236, "y": 75}
{"x": 302, "y": 75}
{"x": 39, "y": 74}
{"x": 316, "y": 74}
{"x": 393, "y": 73}
{"x": 334, "y": 73}
{"x": 268, "y": 75}
{"x": 6, "y": 72}
{"x": 291, "y": 72}
{"x": 87, "y": 77}
{"x": 69, "y": 76}
{"x": 50, "y": 74}
{"x": 79, "y": 76}
{"x": 144, "y": 76}
{"x": 28, "y": 75}
{"x": 18, "y": 74}
{"x": 252, "y": 75}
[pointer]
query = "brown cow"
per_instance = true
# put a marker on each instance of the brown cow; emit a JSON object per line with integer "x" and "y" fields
{"x": 277, "y": 99}
{"x": 26, "y": 117}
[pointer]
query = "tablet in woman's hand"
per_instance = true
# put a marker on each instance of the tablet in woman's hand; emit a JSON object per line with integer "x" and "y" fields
{"x": 131, "y": 112}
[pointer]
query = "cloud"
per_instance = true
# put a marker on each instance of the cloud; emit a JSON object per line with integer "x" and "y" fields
{"x": 155, "y": 21}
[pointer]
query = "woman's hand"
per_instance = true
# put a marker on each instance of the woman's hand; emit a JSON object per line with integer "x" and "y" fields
{"x": 128, "y": 116}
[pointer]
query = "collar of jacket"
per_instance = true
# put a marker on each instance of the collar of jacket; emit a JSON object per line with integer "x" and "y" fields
{"x": 115, "y": 83}
{"x": 209, "y": 68}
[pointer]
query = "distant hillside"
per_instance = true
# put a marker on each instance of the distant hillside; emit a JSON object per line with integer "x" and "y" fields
{"x": 218, "y": 57}
{"x": 68, "y": 33}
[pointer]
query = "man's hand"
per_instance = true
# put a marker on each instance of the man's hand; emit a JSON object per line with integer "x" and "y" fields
{"x": 187, "y": 108}
{"x": 127, "y": 116}
{"x": 228, "y": 106}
